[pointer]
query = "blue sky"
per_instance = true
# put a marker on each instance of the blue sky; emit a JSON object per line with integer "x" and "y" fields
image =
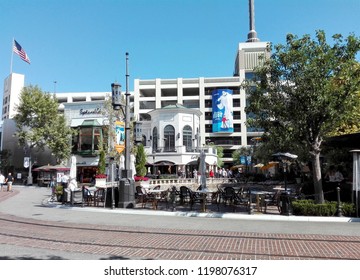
{"x": 81, "y": 44}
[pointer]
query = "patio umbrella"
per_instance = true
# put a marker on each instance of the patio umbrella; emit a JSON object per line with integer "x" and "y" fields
{"x": 132, "y": 165}
{"x": 269, "y": 165}
{"x": 43, "y": 168}
{"x": 203, "y": 169}
{"x": 73, "y": 183}
{"x": 285, "y": 156}
{"x": 122, "y": 162}
{"x": 237, "y": 166}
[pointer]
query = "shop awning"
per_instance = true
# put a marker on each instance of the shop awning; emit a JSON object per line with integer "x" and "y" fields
{"x": 163, "y": 163}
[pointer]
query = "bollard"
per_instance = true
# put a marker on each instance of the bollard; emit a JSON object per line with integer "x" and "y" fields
{"x": 339, "y": 210}
{"x": 250, "y": 203}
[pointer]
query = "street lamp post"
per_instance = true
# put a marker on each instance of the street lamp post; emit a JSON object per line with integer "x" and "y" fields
{"x": 286, "y": 207}
{"x": 126, "y": 189}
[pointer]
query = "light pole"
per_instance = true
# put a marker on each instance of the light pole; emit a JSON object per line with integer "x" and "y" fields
{"x": 127, "y": 189}
{"x": 286, "y": 207}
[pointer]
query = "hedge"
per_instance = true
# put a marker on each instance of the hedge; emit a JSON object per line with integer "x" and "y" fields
{"x": 308, "y": 207}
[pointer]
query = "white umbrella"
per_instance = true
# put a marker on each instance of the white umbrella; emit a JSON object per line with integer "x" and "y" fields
{"x": 73, "y": 183}
{"x": 122, "y": 162}
{"x": 132, "y": 165}
{"x": 121, "y": 165}
{"x": 285, "y": 155}
{"x": 203, "y": 169}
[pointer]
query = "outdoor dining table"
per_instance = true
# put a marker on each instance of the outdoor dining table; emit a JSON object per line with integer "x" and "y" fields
{"x": 257, "y": 194}
{"x": 204, "y": 193}
{"x": 156, "y": 197}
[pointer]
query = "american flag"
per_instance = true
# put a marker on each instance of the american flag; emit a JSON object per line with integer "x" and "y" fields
{"x": 21, "y": 52}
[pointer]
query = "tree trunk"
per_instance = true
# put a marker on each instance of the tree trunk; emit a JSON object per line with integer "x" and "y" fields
{"x": 319, "y": 194}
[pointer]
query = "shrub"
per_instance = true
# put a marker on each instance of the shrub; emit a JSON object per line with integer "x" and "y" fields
{"x": 307, "y": 207}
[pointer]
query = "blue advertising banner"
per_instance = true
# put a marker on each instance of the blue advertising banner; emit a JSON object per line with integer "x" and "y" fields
{"x": 222, "y": 106}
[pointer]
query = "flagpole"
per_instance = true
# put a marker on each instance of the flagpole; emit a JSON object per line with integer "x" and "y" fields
{"x": 12, "y": 55}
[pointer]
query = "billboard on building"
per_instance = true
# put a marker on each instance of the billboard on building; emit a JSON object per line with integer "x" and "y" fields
{"x": 120, "y": 136}
{"x": 222, "y": 110}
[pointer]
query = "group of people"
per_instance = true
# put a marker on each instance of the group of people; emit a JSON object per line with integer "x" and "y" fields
{"x": 334, "y": 175}
{"x": 6, "y": 181}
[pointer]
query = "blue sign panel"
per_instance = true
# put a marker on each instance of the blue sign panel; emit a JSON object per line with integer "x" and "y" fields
{"x": 243, "y": 160}
{"x": 222, "y": 106}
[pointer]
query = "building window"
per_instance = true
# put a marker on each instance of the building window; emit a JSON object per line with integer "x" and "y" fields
{"x": 187, "y": 138}
{"x": 169, "y": 138}
{"x": 143, "y": 140}
{"x": 154, "y": 139}
{"x": 87, "y": 141}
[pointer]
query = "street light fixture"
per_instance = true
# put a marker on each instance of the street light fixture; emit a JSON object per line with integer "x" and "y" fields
{"x": 126, "y": 189}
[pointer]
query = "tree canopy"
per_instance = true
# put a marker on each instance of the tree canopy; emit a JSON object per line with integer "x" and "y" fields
{"x": 40, "y": 125}
{"x": 307, "y": 90}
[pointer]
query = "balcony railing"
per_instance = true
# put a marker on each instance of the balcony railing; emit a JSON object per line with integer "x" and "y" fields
{"x": 180, "y": 150}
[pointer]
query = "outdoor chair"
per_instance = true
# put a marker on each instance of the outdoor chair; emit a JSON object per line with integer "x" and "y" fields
{"x": 162, "y": 196}
{"x": 88, "y": 198}
{"x": 220, "y": 196}
{"x": 185, "y": 195}
{"x": 99, "y": 198}
{"x": 271, "y": 200}
{"x": 242, "y": 198}
{"x": 143, "y": 197}
{"x": 140, "y": 196}
{"x": 188, "y": 196}
{"x": 228, "y": 195}
{"x": 172, "y": 195}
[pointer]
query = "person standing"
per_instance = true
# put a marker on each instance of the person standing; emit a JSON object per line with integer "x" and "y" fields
{"x": 52, "y": 186}
{"x": 64, "y": 183}
{"x": 211, "y": 174}
{"x": 2, "y": 181}
{"x": 9, "y": 181}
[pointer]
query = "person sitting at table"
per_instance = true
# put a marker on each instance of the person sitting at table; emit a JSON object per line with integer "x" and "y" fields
{"x": 334, "y": 175}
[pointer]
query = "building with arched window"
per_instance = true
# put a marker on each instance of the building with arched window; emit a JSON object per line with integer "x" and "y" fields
{"x": 174, "y": 140}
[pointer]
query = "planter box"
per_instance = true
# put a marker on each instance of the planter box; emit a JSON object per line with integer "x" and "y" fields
{"x": 99, "y": 182}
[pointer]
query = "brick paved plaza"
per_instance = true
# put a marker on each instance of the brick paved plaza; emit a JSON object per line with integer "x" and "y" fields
{"x": 25, "y": 222}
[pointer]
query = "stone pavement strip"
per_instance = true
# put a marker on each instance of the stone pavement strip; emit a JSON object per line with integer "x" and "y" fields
{"x": 37, "y": 231}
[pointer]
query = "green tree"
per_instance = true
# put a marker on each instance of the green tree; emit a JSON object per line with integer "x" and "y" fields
{"x": 220, "y": 155}
{"x": 102, "y": 162}
{"x": 305, "y": 91}
{"x": 40, "y": 125}
{"x": 140, "y": 161}
{"x": 5, "y": 156}
{"x": 243, "y": 151}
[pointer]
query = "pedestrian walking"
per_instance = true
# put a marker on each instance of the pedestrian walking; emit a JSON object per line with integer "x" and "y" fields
{"x": 2, "y": 181}
{"x": 9, "y": 181}
{"x": 52, "y": 186}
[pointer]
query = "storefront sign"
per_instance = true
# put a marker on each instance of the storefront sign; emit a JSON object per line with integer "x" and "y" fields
{"x": 95, "y": 111}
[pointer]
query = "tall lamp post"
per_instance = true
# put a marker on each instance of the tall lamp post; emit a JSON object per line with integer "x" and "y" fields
{"x": 286, "y": 207}
{"x": 127, "y": 188}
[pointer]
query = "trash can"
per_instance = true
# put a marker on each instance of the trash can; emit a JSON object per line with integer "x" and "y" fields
{"x": 109, "y": 199}
{"x": 126, "y": 193}
{"x": 285, "y": 204}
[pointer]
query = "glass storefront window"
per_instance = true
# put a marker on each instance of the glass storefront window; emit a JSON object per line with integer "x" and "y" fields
{"x": 87, "y": 140}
